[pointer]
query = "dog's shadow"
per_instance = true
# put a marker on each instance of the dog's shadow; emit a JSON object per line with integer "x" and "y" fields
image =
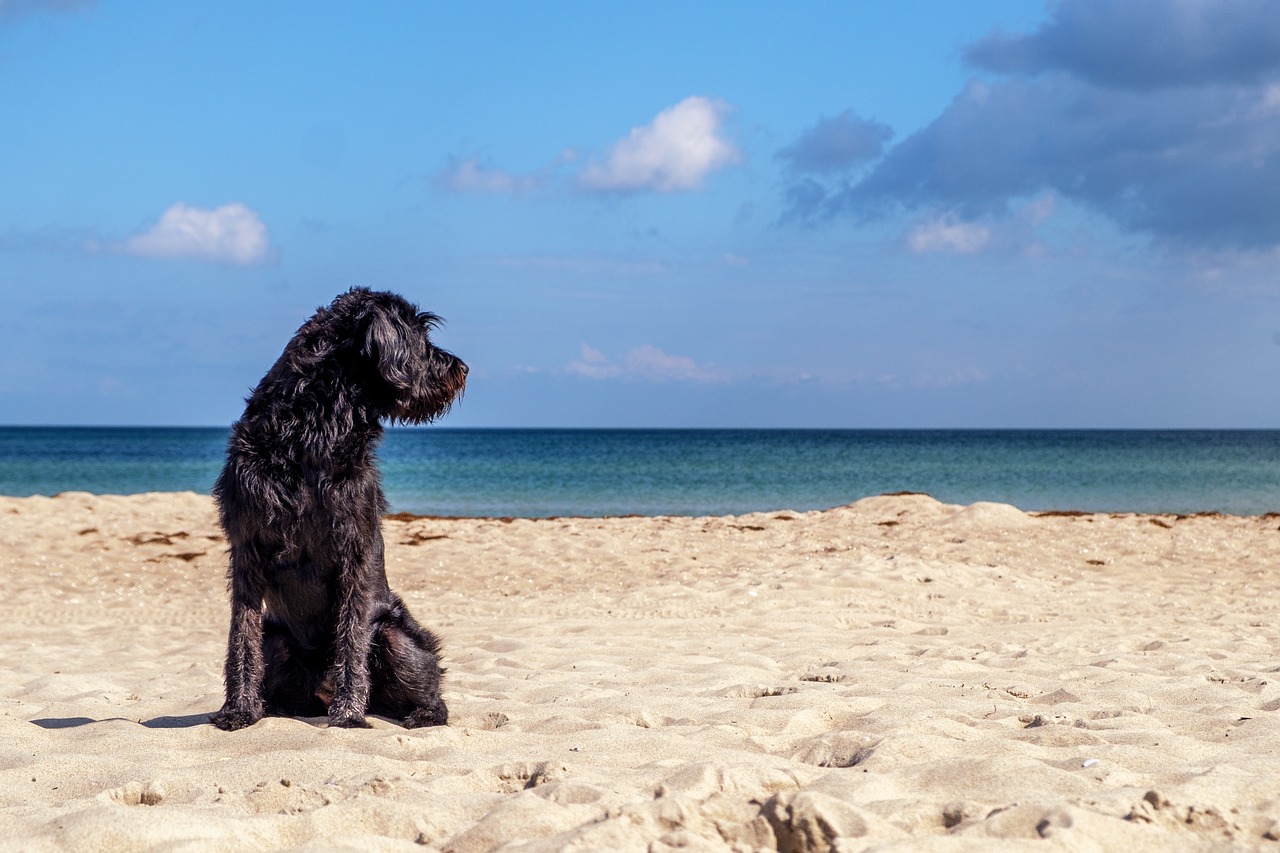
{"x": 167, "y": 722}
{"x": 163, "y": 722}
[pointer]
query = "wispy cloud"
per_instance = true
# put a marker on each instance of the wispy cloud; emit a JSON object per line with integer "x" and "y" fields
{"x": 232, "y": 233}
{"x": 467, "y": 175}
{"x": 948, "y": 234}
{"x": 592, "y": 364}
{"x": 645, "y": 362}
{"x": 950, "y": 378}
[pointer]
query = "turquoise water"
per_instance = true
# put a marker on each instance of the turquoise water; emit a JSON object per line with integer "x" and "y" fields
{"x": 530, "y": 473}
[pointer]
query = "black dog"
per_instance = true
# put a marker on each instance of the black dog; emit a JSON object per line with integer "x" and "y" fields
{"x": 314, "y": 625}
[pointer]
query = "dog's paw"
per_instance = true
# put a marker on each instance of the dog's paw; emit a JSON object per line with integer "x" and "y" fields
{"x": 420, "y": 718}
{"x": 348, "y": 721}
{"x": 230, "y": 719}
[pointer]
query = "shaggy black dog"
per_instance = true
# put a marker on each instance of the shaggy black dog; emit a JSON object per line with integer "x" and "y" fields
{"x": 314, "y": 625}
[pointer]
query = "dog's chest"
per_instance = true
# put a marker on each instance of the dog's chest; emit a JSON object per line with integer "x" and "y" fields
{"x": 303, "y": 596}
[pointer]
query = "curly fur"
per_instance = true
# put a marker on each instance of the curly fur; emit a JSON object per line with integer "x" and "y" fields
{"x": 315, "y": 628}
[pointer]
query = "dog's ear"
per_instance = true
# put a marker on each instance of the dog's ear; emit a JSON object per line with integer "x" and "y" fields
{"x": 390, "y": 340}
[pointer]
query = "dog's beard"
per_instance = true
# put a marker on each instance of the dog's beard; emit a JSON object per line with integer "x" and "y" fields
{"x": 444, "y": 387}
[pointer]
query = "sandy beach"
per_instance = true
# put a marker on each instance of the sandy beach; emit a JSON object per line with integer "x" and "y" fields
{"x": 898, "y": 674}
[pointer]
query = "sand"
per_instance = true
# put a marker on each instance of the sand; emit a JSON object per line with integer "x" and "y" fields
{"x": 898, "y": 674}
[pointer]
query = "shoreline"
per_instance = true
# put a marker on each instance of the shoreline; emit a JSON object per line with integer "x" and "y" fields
{"x": 406, "y": 516}
{"x": 897, "y": 672}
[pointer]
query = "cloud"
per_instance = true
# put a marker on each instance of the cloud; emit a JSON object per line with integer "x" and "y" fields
{"x": 950, "y": 378}
{"x": 652, "y": 363}
{"x": 948, "y": 235}
{"x": 1191, "y": 168}
{"x": 231, "y": 234}
{"x": 1188, "y": 155}
{"x": 645, "y": 362}
{"x": 836, "y": 145}
{"x": 676, "y": 151}
{"x": 466, "y": 175}
{"x": 593, "y": 364}
{"x": 1143, "y": 44}
{"x": 1039, "y": 209}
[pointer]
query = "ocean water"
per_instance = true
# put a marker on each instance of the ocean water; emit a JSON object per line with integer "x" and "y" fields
{"x": 533, "y": 473}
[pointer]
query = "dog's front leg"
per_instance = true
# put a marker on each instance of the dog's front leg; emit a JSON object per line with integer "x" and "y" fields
{"x": 244, "y": 669}
{"x": 349, "y": 674}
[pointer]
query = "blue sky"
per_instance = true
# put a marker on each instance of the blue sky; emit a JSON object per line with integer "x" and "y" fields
{"x": 847, "y": 214}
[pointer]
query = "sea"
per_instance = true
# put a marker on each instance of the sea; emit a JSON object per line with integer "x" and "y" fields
{"x": 534, "y": 473}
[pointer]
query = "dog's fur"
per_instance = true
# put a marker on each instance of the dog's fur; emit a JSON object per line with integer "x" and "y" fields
{"x": 314, "y": 625}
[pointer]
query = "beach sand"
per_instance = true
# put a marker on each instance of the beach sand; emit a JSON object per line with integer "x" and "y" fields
{"x": 898, "y": 674}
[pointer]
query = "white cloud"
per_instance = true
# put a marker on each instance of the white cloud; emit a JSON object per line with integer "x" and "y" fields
{"x": 652, "y": 363}
{"x": 643, "y": 362}
{"x": 232, "y": 234}
{"x": 468, "y": 176}
{"x": 948, "y": 235}
{"x": 592, "y": 364}
{"x": 676, "y": 151}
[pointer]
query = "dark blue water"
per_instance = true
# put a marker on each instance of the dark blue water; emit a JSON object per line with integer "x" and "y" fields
{"x": 477, "y": 472}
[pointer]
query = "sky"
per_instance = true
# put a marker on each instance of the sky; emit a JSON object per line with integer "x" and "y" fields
{"x": 994, "y": 213}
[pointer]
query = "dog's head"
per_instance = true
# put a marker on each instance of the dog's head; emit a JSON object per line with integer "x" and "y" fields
{"x": 385, "y": 343}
